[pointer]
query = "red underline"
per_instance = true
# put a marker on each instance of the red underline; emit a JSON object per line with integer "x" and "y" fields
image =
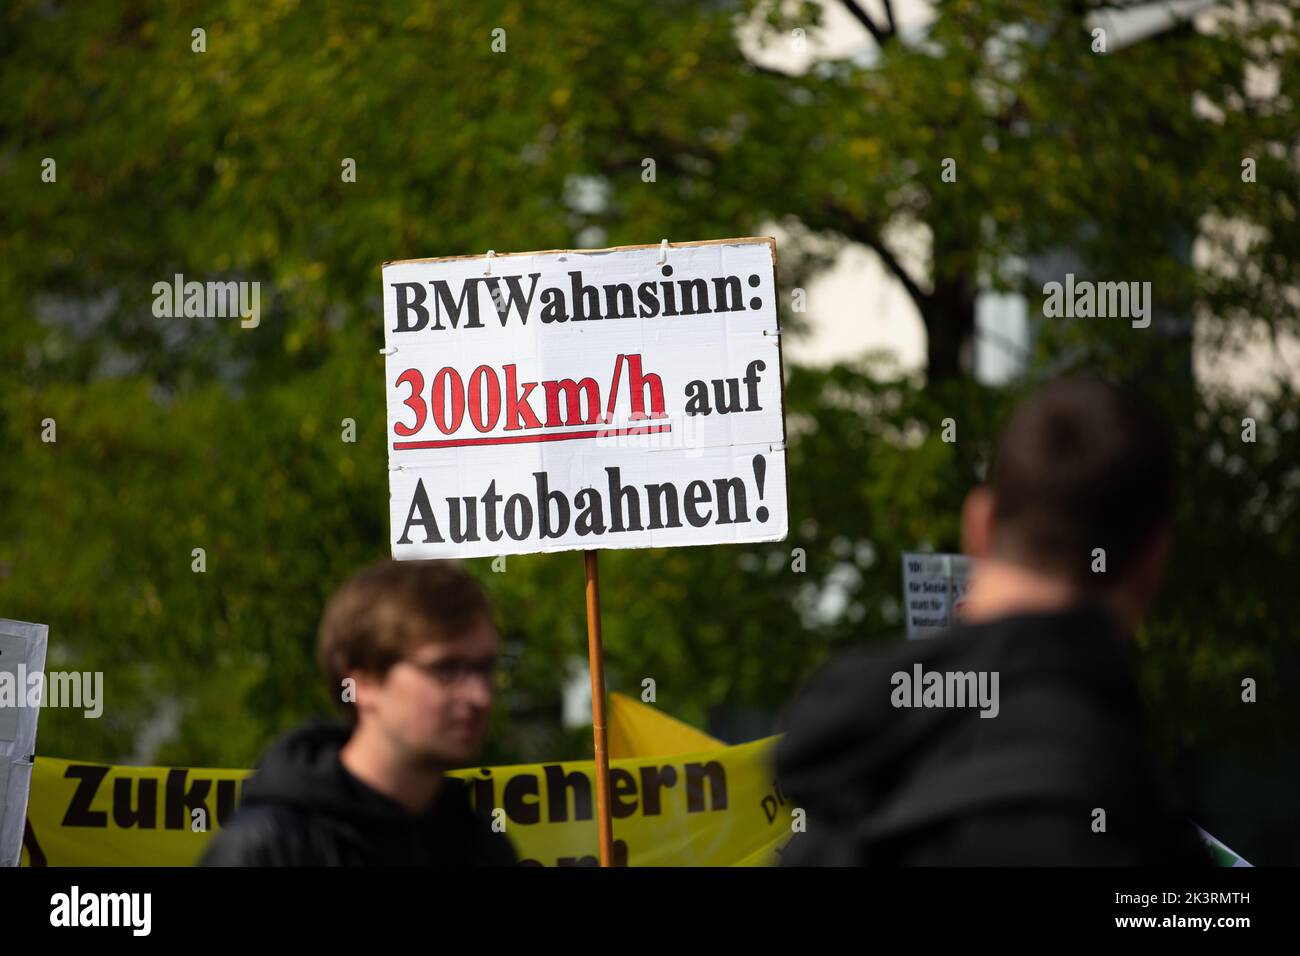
{"x": 525, "y": 439}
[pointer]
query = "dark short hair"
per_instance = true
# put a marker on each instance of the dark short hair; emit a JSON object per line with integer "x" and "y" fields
{"x": 391, "y": 608}
{"x": 1081, "y": 464}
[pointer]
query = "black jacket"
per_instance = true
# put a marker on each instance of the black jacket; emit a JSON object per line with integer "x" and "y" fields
{"x": 302, "y": 808}
{"x": 888, "y": 785}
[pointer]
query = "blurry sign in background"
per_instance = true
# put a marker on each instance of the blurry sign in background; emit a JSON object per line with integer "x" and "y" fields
{"x": 22, "y": 654}
{"x": 934, "y": 586}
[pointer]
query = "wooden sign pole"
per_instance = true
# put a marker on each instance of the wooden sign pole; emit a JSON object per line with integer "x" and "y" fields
{"x": 604, "y": 823}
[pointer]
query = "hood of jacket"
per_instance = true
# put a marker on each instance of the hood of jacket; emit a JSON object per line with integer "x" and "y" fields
{"x": 302, "y": 769}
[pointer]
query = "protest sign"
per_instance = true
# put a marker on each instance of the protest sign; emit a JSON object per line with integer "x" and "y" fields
{"x": 584, "y": 399}
{"x": 580, "y": 399}
{"x": 934, "y": 586}
{"x": 22, "y": 654}
{"x": 719, "y": 807}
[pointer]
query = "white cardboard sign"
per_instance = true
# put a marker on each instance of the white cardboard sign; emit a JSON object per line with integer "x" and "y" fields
{"x": 22, "y": 649}
{"x": 581, "y": 399}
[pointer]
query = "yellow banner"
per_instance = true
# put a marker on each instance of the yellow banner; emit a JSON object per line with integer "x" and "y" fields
{"x": 716, "y": 807}
{"x": 636, "y": 730}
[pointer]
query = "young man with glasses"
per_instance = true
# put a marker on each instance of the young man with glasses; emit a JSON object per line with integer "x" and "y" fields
{"x": 410, "y": 651}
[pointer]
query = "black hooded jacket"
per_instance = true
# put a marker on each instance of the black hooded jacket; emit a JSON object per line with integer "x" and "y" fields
{"x": 303, "y": 808}
{"x": 890, "y": 785}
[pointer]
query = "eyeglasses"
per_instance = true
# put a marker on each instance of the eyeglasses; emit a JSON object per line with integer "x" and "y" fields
{"x": 451, "y": 672}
